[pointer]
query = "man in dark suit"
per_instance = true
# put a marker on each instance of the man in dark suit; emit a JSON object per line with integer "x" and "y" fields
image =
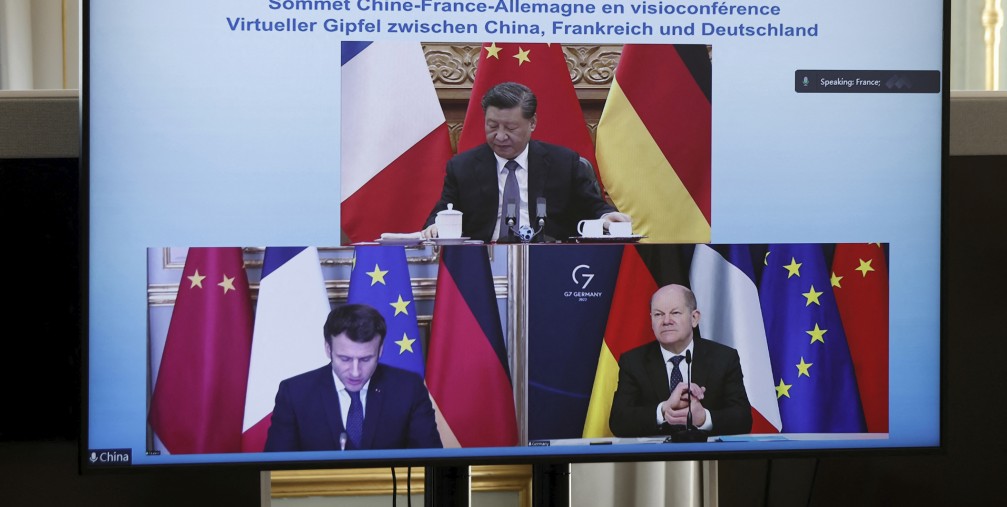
{"x": 353, "y": 402}
{"x": 511, "y": 168}
{"x": 652, "y": 397}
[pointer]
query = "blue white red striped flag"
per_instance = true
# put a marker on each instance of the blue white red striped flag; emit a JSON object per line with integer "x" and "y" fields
{"x": 287, "y": 338}
{"x": 395, "y": 142}
{"x": 723, "y": 280}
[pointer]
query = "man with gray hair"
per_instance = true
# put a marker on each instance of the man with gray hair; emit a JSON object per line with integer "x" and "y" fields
{"x": 652, "y": 397}
{"x": 512, "y": 171}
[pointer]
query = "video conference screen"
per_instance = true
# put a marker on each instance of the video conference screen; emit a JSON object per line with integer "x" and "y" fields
{"x": 362, "y": 232}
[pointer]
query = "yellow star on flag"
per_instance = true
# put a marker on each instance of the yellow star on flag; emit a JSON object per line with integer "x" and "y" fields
{"x": 812, "y": 296}
{"x": 865, "y": 266}
{"x": 405, "y": 344}
{"x": 794, "y": 268}
{"x": 522, "y": 56}
{"x": 817, "y": 334}
{"x": 377, "y": 276}
{"x": 400, "y": 306}
{"x": 492, "y": 51}
{"x": 783, "y": 390}
{"x": 196, "y": 279}
{"x": 802, "y": 369}
{"x": 836, "y": 279}
{"x": 227, "y": 284}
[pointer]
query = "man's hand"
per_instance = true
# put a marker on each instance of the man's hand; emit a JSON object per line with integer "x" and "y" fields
{"x": 615, "y": 216}
{"x": 429, "y": 232}
{"x": 675, "y": 408}
{"x": 680, "y": 416}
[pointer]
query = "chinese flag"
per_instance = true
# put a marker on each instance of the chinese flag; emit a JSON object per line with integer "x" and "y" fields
{"x": 543, "y": 68}
{"x": 199, "y": 395}
{"x": 860, "y": 282}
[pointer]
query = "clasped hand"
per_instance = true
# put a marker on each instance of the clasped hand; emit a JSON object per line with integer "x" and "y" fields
{"x": 676, "y": 408}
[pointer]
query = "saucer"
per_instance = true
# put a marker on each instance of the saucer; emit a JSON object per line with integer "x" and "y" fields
{"x": 452, "y": 241}
{"x": 607, "y": 239}
{"x": 399, "y": 241}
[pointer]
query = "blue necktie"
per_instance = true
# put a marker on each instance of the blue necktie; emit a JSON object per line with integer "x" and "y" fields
{"x": 355, "y": 419}
{"x": 511, "y": 194}
{"x": 676, "y": 375}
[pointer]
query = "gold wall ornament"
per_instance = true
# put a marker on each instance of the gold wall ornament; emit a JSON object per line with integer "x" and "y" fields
{"x": 378, "y": 481}
{"x": 452, "y": 65}
{"x": 592, "y": 66}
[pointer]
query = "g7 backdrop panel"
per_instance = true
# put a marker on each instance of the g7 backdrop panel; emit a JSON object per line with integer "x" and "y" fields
{"x": 808, "y": 126}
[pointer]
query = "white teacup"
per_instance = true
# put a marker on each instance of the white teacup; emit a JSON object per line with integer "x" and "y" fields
{"x": 620, "y": 229}
{"x": 591, "y": 228}
{"x": 449, "y": 223}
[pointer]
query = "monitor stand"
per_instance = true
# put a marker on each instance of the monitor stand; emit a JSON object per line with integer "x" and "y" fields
{"x": 550, "y": 485}
{"x": 449, "y": 486}
{"x": 446, "y": 486}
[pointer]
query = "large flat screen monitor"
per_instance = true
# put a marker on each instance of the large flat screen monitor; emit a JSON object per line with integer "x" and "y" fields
{"x": 362, "y": 232}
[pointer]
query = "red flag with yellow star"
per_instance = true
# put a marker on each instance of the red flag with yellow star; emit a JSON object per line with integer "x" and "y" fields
{"x": 860, "y": 283}
{"x": 199, "y": 392}
{"x": 543, "y": 68}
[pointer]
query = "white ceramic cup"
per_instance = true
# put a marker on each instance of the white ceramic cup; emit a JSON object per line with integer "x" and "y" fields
{"x": 620, "y": 229}
{"x": 591, "y": 228}
{"x": 449, "y": 223}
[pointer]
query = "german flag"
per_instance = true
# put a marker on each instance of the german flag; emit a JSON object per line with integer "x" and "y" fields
{"x": 654, "y": 141}
{"x": 643, "y": 269}
{"x": 467, "y": 370}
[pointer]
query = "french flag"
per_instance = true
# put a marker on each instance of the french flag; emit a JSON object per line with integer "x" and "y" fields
{"x": 287, "y": 339}
{"x": 723, "y": 280}
{"x": 395, "y": 142}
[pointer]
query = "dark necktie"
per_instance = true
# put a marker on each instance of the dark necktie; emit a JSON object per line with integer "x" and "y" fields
{"x": 511, "y": 194}
{"x": 676, "y": 375}
{"x": 355, "y": 419}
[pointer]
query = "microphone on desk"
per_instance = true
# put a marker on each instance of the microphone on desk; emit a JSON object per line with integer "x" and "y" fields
{"x": 510, "y": 220}
{"x": 691, "y": 433}
{"x": 541, "y": 216}
{"x": 688, "y": 416}
{"x": 343, "y": 437}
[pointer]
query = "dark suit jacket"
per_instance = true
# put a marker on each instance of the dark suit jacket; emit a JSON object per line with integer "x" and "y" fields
{"x": 398, "y": 414}
{"x": 643, "y": 383}
{"x": 554, "y": 172}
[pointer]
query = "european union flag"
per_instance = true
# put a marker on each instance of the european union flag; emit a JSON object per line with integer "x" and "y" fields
{"x": 816, "y": 387}
{"x": 380, "y": 278}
